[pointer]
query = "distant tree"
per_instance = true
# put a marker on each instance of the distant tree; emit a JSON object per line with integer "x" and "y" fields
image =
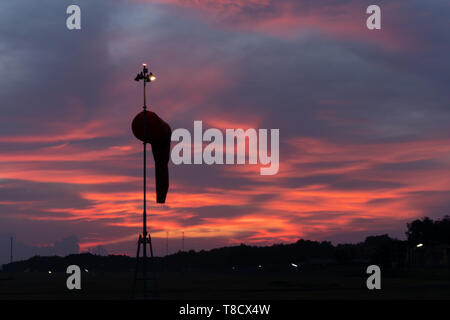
{"x": 427, "y": 231}
{"x": 346, "y": 253}
{"x": 443, "y": 230}
{"x": 377, "y": 241}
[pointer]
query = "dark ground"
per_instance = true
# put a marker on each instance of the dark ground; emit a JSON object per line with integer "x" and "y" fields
{"x": 333, "y": 283}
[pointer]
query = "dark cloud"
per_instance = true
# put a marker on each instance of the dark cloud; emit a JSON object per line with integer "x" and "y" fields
{"x": 217, "y": 211}
{"x": 42, "y": 195}
{"x": 417, "y": 165}
{"x": 366, "y": 185}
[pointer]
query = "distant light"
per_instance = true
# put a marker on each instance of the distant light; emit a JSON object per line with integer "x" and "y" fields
{"x": 152, "y": 77}
{"x": 260, "y": 266}
{"x": 86, "y": 270}
{"x": 420, "y": 245}
{"x": 49, "y": 271}
{"x": 144, "y": 64}
{"x": 294, "y": 265}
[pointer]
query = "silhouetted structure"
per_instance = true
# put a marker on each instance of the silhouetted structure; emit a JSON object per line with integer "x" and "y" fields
{"x": 149, "y": 128}
{"x": 167, "y": 243}
{"x": 11, "y": 251}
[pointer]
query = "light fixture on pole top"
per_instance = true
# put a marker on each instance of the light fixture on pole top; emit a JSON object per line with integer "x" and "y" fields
{"x": 145, "y": 75}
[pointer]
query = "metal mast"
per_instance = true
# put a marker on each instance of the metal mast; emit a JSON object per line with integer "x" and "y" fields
{"x": 145, "y": 238}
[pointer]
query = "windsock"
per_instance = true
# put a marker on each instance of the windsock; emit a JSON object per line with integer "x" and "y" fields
{"x": 150, "y": 128}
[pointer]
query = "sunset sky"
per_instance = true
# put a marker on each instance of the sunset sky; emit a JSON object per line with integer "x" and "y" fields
{"x": 363, "y": 117}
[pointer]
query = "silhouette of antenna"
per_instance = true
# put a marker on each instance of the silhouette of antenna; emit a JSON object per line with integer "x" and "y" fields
{"x": 11, "y": 251}
{"x": 145, "y": 238}
{"x": 182, "y": 242}
{"x": 167, "y": 243}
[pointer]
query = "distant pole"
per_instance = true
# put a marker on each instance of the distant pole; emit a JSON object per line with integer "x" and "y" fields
{"x": 11, "y": 256}
{"x": 167, "y": 243}
{"x": 182, "y": 243}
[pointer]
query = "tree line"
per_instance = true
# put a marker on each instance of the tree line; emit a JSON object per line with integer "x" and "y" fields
{"x": 381, "y": 250}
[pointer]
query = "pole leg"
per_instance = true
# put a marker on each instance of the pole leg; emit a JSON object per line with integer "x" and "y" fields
{"x": 145, "y": 267}
{"x": 136, "y": 268}
{"x": 150, "y": 244}
{"x": 154, "y": 276}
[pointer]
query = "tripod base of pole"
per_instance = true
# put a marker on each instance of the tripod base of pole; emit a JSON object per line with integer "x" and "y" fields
{"x": 141, "y": 264}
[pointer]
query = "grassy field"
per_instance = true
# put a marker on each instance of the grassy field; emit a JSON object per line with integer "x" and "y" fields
{"x": 324, "y": 284}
